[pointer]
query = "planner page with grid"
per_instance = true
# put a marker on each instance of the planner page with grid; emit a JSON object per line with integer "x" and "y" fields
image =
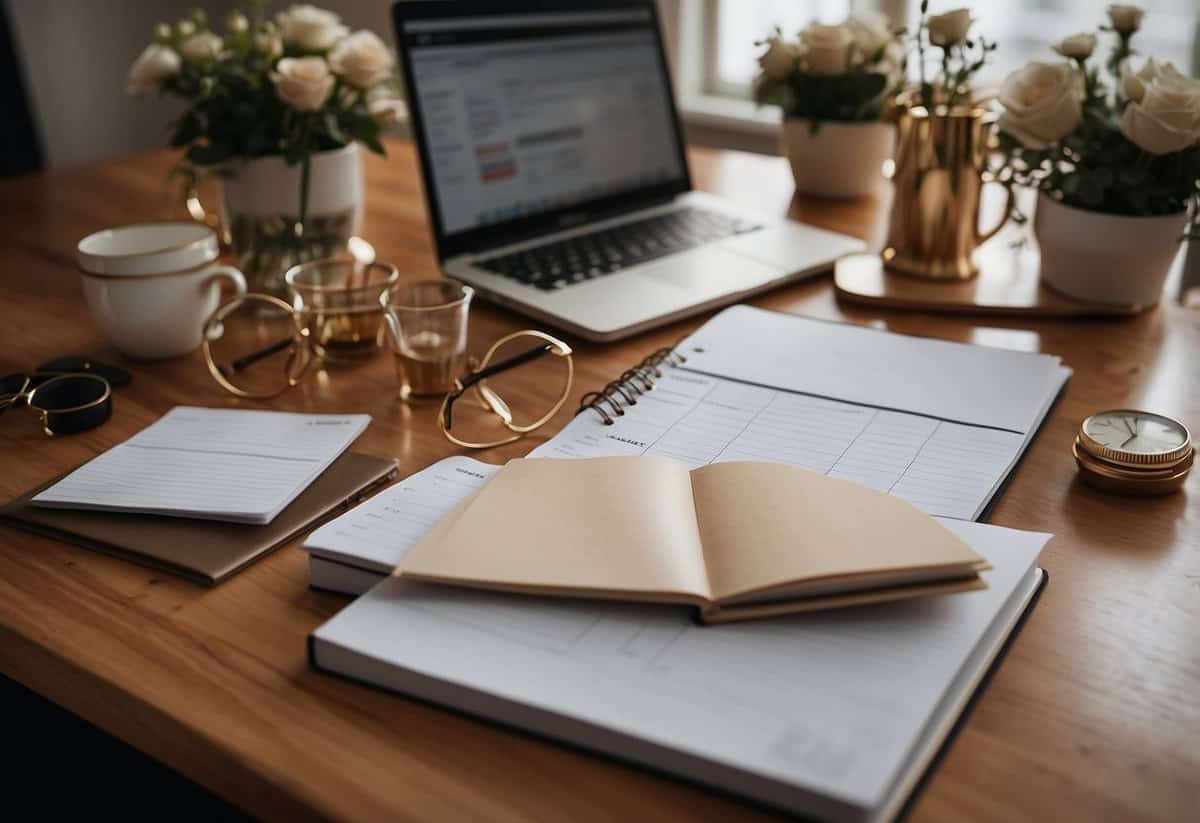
{"x": 942, "y": 467}
{"x": 937, "y": 423}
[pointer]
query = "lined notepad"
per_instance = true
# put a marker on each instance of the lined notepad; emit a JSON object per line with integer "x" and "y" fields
{"x": 234, "y": 465}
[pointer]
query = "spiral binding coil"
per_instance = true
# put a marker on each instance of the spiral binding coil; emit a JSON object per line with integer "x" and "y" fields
{"x": 610, "y": 402}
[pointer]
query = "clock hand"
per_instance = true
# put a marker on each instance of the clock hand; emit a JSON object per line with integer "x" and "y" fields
{"x": 1127, "y": 439}
{"x": 1125, "y": 420}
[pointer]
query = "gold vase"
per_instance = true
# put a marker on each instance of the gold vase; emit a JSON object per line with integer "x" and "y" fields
{"x": 941, "y": 169}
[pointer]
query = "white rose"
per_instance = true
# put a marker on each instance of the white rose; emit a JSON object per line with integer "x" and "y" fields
{"x": 1043, "y": 103}
{"x": 1133, "y": 83}
{"x": 385, "y": 108}
{"x": 153, "y": 66}
{"x": 304, "y": 83}
{"x": 268, "y": 44}
{"x": 892, "y": 63}
{"x": 1125, "y": 19}
{"x": 237, "y": 23}
{"x": 361, "y": 59}
{"x": 310, "y": 28}
{"x": 201, "y": 47}
{"x": 949, "y": 29}
{"x": 1077, "y": 46}
{"x": 1167, "y": 119}
{"x": 826, "y": 49}
{"x": 779, "y": 60}
{"x": 871, "y": 33}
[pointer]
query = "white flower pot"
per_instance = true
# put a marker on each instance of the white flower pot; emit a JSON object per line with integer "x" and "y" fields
{"x": 1106, "y": 258}
{"x": 841, "y": 159}
{"x": 260, "y": 205}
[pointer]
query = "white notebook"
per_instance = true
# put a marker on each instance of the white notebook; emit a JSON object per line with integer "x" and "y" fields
{"x": 832, "y": 714}
{"x": 234, "y": 465}
{"x": 937, "y": 423}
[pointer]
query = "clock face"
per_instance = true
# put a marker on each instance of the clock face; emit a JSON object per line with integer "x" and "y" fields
{"x": 1136, "y": 432}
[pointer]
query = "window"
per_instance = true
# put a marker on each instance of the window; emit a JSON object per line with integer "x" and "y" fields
{"x": 1024, "y": 28}
{"x": 737, "y": 24}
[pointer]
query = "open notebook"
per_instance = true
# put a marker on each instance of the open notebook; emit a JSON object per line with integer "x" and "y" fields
{"x": 737, "y": 540}
{"x": 835, "y": 714}
{"x": 939, "y": 424}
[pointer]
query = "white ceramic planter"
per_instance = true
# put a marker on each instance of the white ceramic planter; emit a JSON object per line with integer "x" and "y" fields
{"x": 260, "y": 205}
{"x": 841, "y": 160}
{"x": 1106, "y": 258}
{"x": 267, "y": 186}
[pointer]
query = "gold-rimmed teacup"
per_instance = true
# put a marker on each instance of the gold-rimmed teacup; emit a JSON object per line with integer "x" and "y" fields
{"x": 150, "y": 287}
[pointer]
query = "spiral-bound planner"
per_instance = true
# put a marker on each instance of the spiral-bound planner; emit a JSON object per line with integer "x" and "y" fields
{"x": 937, "y": 423}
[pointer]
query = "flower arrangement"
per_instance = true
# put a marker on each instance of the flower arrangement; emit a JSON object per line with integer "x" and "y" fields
{"x": 292, "y": 86}
{"x": 956, "y": 54}
{"x": 1125, "y": 144}
{"x": 841, "y": 73}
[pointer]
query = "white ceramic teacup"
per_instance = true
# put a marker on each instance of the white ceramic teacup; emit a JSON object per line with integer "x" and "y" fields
{"x": 152, "y": 286}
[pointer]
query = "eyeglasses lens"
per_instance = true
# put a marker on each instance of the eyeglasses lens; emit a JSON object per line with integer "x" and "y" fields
{"x": 73, "y": 403}
{"x": 526, "y": 392}
{"x": 255, "y": 346}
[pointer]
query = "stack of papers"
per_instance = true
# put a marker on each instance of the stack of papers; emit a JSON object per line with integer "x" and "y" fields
{"x": 939, "y": 424}
{"x": 219, "y": 464}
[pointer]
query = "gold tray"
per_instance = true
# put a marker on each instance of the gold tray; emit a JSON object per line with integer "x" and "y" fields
{"x": 1007, "y": 284}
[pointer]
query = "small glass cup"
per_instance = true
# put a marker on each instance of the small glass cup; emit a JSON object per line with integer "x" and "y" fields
{"x": 427, "y": 321}
{"x": 339, "y": 302}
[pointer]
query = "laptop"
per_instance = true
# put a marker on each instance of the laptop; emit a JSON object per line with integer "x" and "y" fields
{"x": 555, "y": 174}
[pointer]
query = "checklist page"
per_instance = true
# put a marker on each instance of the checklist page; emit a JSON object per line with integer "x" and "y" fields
{"x": 236, "y": 465}
{"x": 377, "y": 534}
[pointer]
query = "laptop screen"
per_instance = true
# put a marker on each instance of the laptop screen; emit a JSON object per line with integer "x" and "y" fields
{"x": 545, "y": 115}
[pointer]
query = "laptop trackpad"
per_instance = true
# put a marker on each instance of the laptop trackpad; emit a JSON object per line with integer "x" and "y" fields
{"x": 710, "y": 271}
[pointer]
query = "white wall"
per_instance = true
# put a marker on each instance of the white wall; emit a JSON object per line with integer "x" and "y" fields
{"x": 75, "y": 54}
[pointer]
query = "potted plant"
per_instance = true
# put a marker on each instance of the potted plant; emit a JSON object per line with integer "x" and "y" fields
{"x": 832, "y": 83}
{"x": 276, "y": 110}
{"x": 1115, "y": 160}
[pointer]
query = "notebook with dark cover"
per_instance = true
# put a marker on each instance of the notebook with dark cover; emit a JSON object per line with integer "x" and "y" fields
{"x": 204, "y": 551}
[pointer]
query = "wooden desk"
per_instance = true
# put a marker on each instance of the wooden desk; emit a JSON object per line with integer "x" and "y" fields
{"x": 1095, "y": 714}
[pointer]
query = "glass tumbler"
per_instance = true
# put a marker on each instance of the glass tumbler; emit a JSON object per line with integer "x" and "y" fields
{"x": 338, "y": 301}
{"x": 427, "y": 325}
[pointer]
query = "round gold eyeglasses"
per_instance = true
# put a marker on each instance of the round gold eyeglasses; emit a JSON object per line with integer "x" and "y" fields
{"x": 510, "y": 397}
{"x": 256, "y": 346}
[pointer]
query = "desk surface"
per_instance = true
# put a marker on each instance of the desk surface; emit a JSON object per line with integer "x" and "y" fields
{"x": 1095, "y": 713}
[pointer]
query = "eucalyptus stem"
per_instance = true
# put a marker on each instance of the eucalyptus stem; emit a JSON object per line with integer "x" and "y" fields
{"x": 305, "y": 169}
{"x": 926, "y": 91}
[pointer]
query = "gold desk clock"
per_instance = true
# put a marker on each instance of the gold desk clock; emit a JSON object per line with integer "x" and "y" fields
{"x": 1126, "y": 451}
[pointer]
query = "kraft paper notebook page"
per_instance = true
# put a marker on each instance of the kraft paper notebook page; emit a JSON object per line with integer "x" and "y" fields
{"x": 737, "y": 540}
{"x": 204, "y": 551}
{"x": 234, "y": 465}
{"x": 903, "y": 440}
{"x": 835, "y": 714}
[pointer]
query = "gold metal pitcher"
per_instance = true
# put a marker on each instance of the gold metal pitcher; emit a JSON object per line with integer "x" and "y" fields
{"x": 941, "y": 168}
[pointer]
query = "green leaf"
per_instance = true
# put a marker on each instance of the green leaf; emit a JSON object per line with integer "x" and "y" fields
{"x": 373, "y": 143}
{"x": 209, "y": 154}
{"x": 333, "y": 129}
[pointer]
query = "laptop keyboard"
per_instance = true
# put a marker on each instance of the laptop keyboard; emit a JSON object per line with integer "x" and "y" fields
{"x": 561, "y": 263}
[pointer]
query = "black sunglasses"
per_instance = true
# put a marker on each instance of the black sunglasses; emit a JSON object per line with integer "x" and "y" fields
{"x": 71, "y": 394}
